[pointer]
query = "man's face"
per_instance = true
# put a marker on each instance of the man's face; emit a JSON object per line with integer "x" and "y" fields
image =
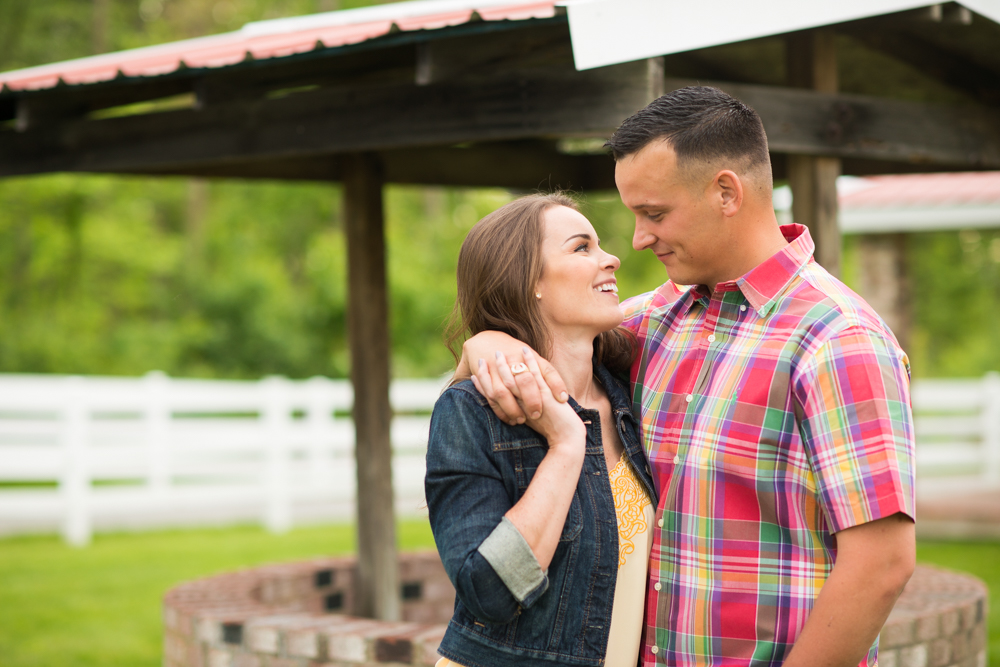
{"x": 675, "y": 215}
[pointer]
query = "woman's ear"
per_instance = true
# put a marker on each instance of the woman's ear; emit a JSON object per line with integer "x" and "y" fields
{"x": 729, "y": 189}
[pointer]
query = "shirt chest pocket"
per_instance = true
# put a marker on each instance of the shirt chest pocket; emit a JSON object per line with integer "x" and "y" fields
{"x": 525, "y": 455}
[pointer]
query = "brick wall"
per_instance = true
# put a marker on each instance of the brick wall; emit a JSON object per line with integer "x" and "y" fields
{"x": 299, "y": 615}
{"x": 938, "y": 621}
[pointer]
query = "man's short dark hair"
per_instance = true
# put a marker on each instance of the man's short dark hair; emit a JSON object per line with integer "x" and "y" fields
{"x": 700, "y": 123}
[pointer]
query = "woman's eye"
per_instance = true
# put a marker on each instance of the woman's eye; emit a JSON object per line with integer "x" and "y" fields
{"x": 582, "y": 246}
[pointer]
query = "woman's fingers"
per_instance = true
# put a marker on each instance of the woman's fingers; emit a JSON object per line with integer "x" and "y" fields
{"x": 506, "y": 390}
{"x": 487, "y": 387}
{"x": 523, "y": 386}
{"x": 536, "y": 373}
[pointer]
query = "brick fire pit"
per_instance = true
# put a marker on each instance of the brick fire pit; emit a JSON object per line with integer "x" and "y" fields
{"x": 298, "y": 615}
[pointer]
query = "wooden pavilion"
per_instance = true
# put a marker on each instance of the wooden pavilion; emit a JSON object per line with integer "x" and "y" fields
{"x": 510, "y": 93}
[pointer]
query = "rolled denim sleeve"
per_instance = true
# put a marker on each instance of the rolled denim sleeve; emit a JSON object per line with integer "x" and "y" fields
{"x": 488, "y": 561}
{"x": 510, "y": 556}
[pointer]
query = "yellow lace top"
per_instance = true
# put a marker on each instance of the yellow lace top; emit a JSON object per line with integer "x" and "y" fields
{"x": 635, "y": 514}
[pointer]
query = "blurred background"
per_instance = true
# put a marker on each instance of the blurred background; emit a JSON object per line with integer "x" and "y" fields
{"x": 121, "y": 276}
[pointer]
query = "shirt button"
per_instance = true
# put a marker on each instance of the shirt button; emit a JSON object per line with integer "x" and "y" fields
{"x": 711, "y": 338}
{"x": 743, "y": 308}
{"x": 689, "y": 398}
{"x": 677, "y": 459}
{"x": 660, "y": 523}
{"x": 654, "y": 649}
{"x": 656, "y": 586}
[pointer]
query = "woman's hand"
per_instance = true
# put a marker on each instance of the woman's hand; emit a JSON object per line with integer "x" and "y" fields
{"x": 556, "y": 421}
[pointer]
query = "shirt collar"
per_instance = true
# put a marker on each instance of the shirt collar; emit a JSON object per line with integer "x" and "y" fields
{"x": 763, "y": 284}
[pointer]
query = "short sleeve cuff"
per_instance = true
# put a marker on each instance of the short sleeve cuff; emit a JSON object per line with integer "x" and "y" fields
{"x": 511, "y": 558}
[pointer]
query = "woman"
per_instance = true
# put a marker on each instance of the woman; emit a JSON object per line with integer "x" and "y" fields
{"x": 543, "y": 528}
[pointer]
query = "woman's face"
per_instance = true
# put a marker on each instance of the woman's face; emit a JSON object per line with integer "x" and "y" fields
{"x": 578, "y": 290}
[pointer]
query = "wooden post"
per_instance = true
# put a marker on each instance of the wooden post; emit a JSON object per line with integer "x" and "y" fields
{"x": 377, "y": 587}
{"x": 812, "y": 63}
{"x": 884, "y": 281}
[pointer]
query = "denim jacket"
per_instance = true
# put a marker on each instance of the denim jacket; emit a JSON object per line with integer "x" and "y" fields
{"x": 508, "y": 611}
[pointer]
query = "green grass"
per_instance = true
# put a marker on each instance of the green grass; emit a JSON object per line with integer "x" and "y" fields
{"x": 981, "y": 559}
{"x": 100, "y": 606}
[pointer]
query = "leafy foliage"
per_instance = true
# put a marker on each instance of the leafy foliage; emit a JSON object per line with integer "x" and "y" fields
{"x": 119, "y": 275}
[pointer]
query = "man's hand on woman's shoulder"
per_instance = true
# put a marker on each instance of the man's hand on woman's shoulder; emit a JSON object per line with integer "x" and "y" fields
{"x": 512, "y": 397}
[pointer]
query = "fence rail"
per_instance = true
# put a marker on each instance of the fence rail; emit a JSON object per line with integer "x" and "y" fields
{"x": 79, "y": 454}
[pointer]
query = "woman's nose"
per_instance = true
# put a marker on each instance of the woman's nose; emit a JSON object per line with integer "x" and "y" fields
{"x": 611, "y": 263}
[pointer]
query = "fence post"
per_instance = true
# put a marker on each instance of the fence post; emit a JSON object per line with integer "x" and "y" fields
{"x": 277, "y": 423}
{"x": 991, "y": 429}
{"x": 319, "y": 414}
{"x": 157, "y": 414}
{"x": 75, "y": 481}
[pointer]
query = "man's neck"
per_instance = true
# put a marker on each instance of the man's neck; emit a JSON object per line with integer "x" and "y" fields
{"x": 757, "y": 242}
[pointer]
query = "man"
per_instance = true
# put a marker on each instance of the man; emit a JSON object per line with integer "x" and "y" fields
{"x": 774, "y": 405}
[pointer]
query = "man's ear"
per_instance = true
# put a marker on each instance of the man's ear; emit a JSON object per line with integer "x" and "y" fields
{"x": 729, "y": 190}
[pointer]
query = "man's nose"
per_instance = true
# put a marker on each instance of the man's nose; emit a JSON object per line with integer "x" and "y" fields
{"x": 641, "y": 239}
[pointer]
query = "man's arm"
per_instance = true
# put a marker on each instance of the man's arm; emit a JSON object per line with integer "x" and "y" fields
{"x": 857, "y": 428}
{"x": 874, "y": 562}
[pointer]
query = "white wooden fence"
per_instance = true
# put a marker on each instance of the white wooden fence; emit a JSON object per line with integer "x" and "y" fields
{"x": 958, "y": 435}
{"x": 79, "y": 454}
{"x": 109, "y": 453}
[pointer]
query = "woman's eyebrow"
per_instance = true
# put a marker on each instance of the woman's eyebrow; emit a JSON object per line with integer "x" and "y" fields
{"x": 578, "y": 236}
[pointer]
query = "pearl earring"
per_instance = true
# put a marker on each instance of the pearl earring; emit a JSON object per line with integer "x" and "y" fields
{"x": 538, "y": 295}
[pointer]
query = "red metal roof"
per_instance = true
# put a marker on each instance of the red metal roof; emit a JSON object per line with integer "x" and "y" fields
{"x": 274, "y": 39}
{"x": 921, "y": 190}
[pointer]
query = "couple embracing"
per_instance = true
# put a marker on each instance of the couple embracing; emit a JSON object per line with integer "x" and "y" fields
{"x": 718, "y": 472}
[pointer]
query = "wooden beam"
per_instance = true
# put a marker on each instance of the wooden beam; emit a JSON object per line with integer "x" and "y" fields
{"x": 952, "y": 69}
{"x": 807, "y": 122}
{"x": 812, "y": 63}
{"x": 590, "y": 103}
{"x": 527, "y": 165}
{"x": 377, "y": 586}
{"x": 324, "y": 122}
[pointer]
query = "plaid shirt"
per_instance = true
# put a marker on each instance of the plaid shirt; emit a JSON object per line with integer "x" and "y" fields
{"x": 775, "y": 413}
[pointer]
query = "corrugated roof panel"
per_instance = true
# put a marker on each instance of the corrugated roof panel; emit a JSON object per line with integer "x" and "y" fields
{"x": 274, "y": 39}
{"x": 925, "y": 190}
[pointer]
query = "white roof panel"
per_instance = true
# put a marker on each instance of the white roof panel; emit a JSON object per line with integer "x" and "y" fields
{"x": 607, "y": 32}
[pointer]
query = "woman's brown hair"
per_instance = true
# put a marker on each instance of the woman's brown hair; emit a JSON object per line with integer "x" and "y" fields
{"x": 498, "y": 267}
